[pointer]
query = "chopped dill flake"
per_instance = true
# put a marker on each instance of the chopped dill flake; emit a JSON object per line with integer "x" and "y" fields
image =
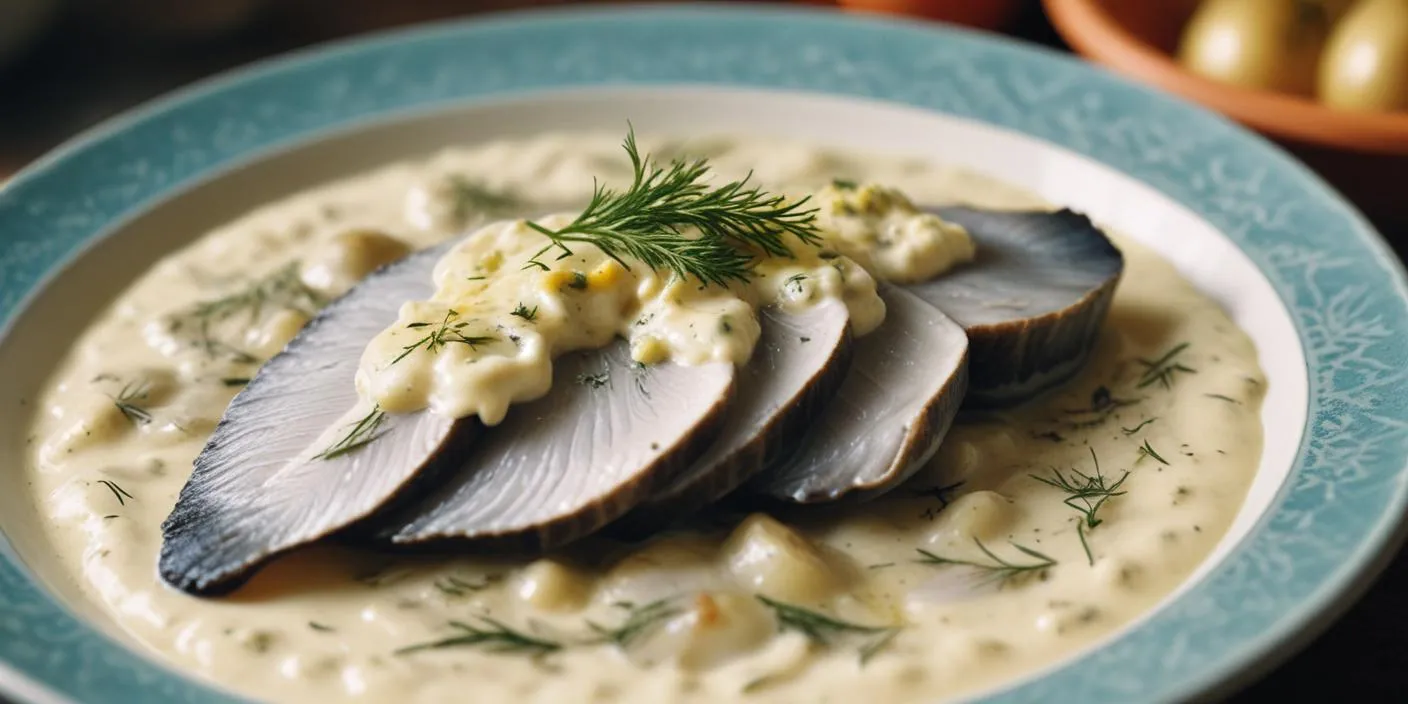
{"x": 595, "y": 381}
{"x": 320, "y": 627}
{"x": 820, "y": 629}
{"x": 1103, "y": 405}
{"x": 359, "y": 435}
{"x": 673, "y": 220}
{"x": 454, "y": 586}
{"x": 118, "y": 492}
{"x": 282, "y": 289}
{"x": 641, "y": 372}
{"x": 526, "y": 313}
{"x": 998, "y": 570}
{"x": 873, "y": 648}
{"x": 380, "y": 577}
{"x": 235, "y": 381}
{"x": 844, "y": 184}
{"x": 794, "y": 282}
{"x": 1146, "y": 450}
{"x": 449, "y": 331}
{"x": 943, "y": 494}
{"x": 578, "y": 282}
{"x": 1163, "y": 369}
{"x": 725, "y": 327}
{"x": 1085, "y": 493}
{"x": 126, "y": 401}
{"x": 493, "y": 636}
{"x": 1137, "y": 428}
{"x": 639, "y": 621}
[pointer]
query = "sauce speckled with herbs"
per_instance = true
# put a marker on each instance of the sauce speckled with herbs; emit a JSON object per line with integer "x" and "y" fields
{"x": 1033, "y": 533}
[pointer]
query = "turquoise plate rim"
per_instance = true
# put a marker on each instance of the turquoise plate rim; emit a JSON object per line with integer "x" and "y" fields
{"x": 1329, "y": 531}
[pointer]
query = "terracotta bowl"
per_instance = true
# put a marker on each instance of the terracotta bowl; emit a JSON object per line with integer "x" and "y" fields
{"x": 1360, "y": 153}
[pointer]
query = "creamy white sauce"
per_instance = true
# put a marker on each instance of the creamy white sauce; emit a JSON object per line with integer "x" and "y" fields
{"x": 325, "y": 624}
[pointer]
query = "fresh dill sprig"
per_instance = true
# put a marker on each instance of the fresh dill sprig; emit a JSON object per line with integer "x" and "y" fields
{"x": 526, "y": 313}
{"x": 1163, "y": 369}
{"x": 1001, "y": 571}
{"x": 1147, "y": 450}
{"x": 1137, "y": 428}
{"x": 282, "y": 289}
{"x": 493, "y": 637}
{"x": 639, "y": 621}
{"x": 820, "y": 629}
{"x": 449, "y": 331}
{"x": 671, "y": 219}
{"x": 468, "y": 198}
{"x": 359, "y": 435}
{"x": 1085, "y": 493}
{"x": 133, "y": 393}
{"x": 118, "y": 492}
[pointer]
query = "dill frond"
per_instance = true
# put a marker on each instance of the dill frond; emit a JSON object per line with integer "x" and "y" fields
{"x": 359, "y": 435}
{"x": 998, "y": 570}
{"x": 493, "y": 636}
{"x": 671, "y": 220}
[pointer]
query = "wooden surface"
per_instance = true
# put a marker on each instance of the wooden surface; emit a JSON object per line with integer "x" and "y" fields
{"x": 55, "y": 91}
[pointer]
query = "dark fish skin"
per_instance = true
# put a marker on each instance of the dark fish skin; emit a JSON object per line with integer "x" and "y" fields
{"x": 766, "y": 419}
{"x": 1032, "y": 302}
{"x": 245, "y": 502}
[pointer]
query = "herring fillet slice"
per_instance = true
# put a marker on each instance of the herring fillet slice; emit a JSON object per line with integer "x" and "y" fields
{"x": 796, "y": 369}
{"x": 608, "y": 434}
{"x": 1032, "y": 302}
{"x": 895, "y": 405}
{"x": 256, "y": 490}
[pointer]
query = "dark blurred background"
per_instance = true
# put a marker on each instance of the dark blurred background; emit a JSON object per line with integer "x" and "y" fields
{"x": 66, "y": 65}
